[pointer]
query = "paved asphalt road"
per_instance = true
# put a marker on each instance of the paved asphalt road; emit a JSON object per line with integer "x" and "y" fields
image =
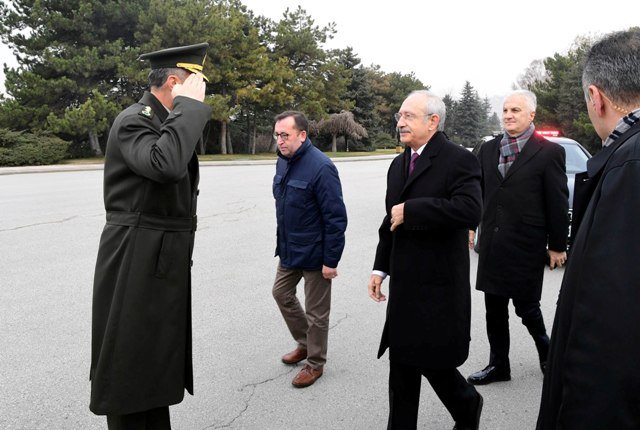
{"x": 50, "y": 224}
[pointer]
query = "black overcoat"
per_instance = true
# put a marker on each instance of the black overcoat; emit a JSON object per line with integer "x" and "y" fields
{"x": 523, "y": 213}
{"x": 592, "y": 380}
{"x": 141, "y": 326}
{"x": 427, "y": 257}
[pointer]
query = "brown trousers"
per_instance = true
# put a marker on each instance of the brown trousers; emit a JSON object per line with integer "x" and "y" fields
{"x": 310, "y": 326}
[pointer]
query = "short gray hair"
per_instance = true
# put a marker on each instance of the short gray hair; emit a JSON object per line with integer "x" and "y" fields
{"x": 434, "y": 105}
{"x": 532, "y": 100}
{"x": 157, "y": 77}
{"x": 613, "y": 65}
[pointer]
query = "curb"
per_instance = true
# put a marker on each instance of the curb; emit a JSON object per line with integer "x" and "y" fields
{"x": 100, "y": 166}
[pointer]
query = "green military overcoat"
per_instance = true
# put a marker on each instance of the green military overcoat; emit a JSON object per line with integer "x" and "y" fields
{"x": 141, "y": 324}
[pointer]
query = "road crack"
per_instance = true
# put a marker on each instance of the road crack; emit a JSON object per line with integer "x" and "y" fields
{"x": 339, "y": 321}
{"x": 252, "y": 388}
{"x": 39, "y": 224}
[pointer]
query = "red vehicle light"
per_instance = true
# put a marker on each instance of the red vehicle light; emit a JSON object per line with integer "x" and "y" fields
{"x": 549, "y": 133}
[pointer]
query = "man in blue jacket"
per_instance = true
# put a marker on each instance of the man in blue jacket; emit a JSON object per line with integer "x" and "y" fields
{"x": 311, "y": 219}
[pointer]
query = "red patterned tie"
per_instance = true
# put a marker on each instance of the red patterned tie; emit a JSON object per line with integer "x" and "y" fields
{"x": 412, "y": 164}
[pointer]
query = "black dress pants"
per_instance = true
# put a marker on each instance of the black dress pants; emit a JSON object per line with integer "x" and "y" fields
{"x": 153, "y": 419}
{"x": 497, "y": 314}
{"x": 457, "y": 395}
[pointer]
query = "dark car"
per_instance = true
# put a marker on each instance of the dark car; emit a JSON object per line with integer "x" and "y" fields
{"x": 576, "y": 162}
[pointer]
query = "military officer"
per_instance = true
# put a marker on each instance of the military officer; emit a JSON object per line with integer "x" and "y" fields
{"x": 141, "y": 322}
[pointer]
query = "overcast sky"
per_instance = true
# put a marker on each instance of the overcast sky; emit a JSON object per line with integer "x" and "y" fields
{"x": 446, "y": 43}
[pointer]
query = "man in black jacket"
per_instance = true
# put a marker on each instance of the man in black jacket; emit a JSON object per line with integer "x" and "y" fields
{"x": 433, "y": 196}
{"x": 525, "y": 197}
{"x": 141, "y": 322}
{"x": 592, "y": 380}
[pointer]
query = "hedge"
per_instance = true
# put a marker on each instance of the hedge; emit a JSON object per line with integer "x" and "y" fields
{"x": 19, "y": 148}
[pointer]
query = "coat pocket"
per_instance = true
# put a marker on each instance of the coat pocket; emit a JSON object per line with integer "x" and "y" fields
{"x": 305, "y": 249}
{"x": 298, "y": 194}
{"x": 165, "y": 256}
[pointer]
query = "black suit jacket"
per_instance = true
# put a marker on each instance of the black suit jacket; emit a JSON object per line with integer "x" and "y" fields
{"x": 427, "y": 258}
{"x": 523, "y": 213}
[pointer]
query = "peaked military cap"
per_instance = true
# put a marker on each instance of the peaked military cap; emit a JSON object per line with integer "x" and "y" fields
{"x": 189, "y": 57}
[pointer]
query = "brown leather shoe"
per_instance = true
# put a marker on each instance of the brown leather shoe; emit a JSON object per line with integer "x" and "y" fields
{"x": 307, "y": 376}
{"x": 295, "y": 356}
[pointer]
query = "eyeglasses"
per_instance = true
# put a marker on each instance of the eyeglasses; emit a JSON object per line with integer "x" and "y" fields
{"x": 409, "y": 116}
{"x": 283, "y": 136}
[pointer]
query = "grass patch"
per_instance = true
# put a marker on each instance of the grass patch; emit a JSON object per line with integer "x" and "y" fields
{"x": 77, "y": 161}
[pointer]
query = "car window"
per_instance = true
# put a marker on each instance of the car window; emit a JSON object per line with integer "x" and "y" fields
{"x": 576, "y": 158}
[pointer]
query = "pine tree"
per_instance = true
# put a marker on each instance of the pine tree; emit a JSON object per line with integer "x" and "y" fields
{"x": 450, "y": 122}
{"x": 470, "y": 117}
{"x": 69, "y": 53}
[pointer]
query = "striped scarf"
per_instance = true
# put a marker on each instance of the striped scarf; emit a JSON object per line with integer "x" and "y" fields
{"x": 625, "y": 123}
{"x": 510, "y": 147}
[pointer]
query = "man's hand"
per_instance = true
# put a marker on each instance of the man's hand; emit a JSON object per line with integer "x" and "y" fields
{"x": 192, "y": 87}
{"x": 556, "y": 259}
{"x": 329, "y": 273}
{"x": 397, "y": 216}
{"x": 375, "y": 289}
{"x": 472, "y": 237}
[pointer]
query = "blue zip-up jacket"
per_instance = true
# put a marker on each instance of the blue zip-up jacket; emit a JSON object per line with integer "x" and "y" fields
{"x": 310, "y": 211}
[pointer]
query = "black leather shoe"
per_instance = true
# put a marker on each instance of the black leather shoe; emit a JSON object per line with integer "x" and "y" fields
{"x": 489, "y": 374}
{"x": 475, "y": 417}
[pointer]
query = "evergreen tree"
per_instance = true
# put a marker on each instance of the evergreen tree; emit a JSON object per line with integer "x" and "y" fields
{"x": 399, "y": 87}
{"x": 69, "y": 53}
{"x": 494, "y": 124}
{"x": 450, "y": 122}
{"x": 320, "y": 83}
{"x": 486, "y": 109}
{"x": 560, "y": 97}
{"x": 471, "y": 117}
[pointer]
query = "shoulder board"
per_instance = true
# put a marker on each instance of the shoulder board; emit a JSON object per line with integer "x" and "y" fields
{"x": 146, "y": 112}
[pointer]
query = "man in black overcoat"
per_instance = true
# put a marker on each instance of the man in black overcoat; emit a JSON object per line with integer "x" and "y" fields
{"x": 141, "y": 322}
{"x": 524, "y": 219}
{"x": 592, "y": 380}
{"x": 433, "y": 196}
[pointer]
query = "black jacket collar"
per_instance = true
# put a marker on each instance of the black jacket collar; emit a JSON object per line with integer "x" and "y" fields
{"x": 423, "y": 162}
{"x": 158, "y": 108}
{"x": 598, "y": 161}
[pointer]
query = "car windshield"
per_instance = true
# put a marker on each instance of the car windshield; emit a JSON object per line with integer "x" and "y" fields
{"x": 576, "y": 158}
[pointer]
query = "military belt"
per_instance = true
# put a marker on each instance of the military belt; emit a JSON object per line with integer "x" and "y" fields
{"x": 153, "y": 222}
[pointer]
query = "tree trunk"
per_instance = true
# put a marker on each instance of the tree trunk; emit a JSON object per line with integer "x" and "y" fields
{"x": 254, "y": 136}
{"x": 334, "y": 144}
{"x": 246, "y": 143}
{"x": 229, "y": 145}
{"x": 95, "y": 144}
{"x": 223, "y": 137}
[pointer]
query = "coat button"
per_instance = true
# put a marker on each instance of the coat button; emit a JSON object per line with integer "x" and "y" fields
{"x": 496, "y": 229}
